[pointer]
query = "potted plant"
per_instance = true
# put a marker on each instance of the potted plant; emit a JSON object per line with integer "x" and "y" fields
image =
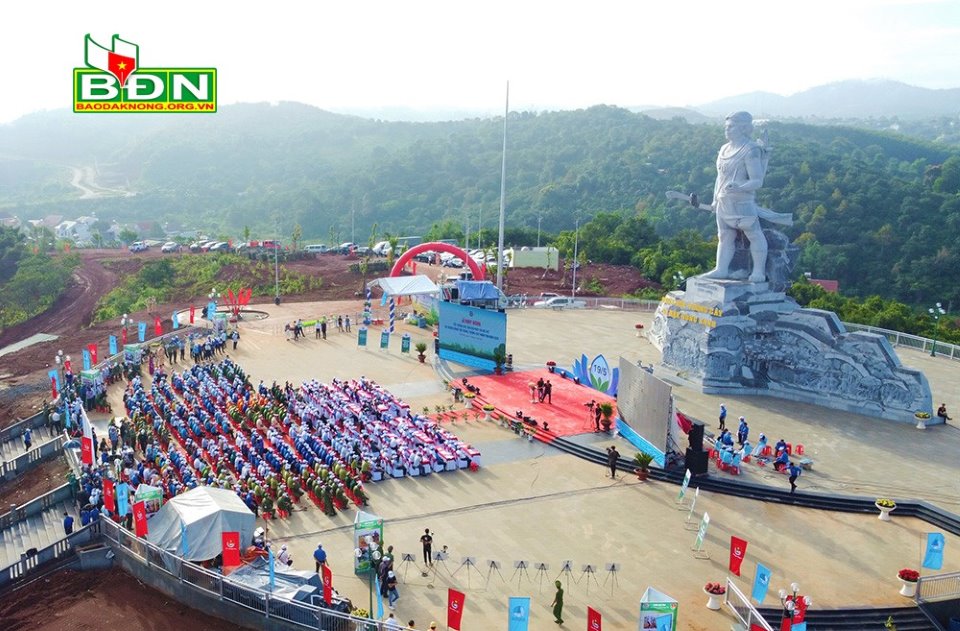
{"x": 468, "y": 398}
{"x": 922, "y": 418}
{"x": 606, "y": 410}
{"x": 642, "y": 460}
{"x": 499, "y": 358}
{"x": 421, "y": 351}
{"x": 714, "y": 591}
{"x": 551, "y": 366}
{"x": 639, "y": 328}
{"x": 908, "y": 582}
{"x": 487, "y": 411}
{"x": 886, "y": 507}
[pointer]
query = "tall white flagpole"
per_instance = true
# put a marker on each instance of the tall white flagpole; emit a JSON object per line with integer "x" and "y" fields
{"x": 503, "y": 193}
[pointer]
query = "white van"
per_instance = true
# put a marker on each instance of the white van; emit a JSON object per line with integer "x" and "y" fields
{"x": 316, "y": 248}
{"x": 382, "y": 248}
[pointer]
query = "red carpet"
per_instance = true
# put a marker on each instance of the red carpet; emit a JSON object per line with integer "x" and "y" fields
{"x": 566, "y": 415}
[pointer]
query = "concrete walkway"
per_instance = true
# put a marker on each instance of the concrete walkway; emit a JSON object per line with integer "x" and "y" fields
{"x": 530, "y": 502}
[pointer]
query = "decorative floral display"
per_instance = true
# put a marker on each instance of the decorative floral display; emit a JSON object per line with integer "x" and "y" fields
{"x": 885, "y": 503}
{"x": 717, "y": 589}
{"x": 906, "y": 574}
{"x": 469, "y": 395}
{"x": 551, "y": 364}
{"x": 488, "y": 407}
{"x": 922, "y": 415}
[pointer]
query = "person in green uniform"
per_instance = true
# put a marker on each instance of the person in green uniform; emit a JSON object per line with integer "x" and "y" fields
{"x": 558, "y": 603}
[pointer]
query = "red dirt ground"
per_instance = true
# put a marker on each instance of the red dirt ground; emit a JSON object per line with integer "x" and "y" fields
{"x": 35, "y": 482}
{"x": 105, "y": 599}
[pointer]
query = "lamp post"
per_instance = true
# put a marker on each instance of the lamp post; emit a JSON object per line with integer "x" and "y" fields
{"x": 790, "y": 602}
{"x": 58, "y": 359}
{"x": 935, "y": 313}
{"x": 125, "y": 321}
{"x": 539, "y": 219}
{"x": 576, "y": 245}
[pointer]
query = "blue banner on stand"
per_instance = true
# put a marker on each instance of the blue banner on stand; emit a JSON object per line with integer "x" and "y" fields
{"x": 86, "y": 359}
{"x": 933, "y": 558}
{"x": 376, "y": 585}
{"x": 519, "y": 614}
{"x": 271, "y": 561}
{"x": 113, "y": 344}
{"x": 66, "y": 412}
{"x": 361, "y": 336}
{"x": 176, "y": 321}
{"x": 123, "y": 499}
{"x": 142, "y": 330}
{"x": 384, "y": 340}
{"x": 761, "y": 583}
{"x": 211, "y": 310}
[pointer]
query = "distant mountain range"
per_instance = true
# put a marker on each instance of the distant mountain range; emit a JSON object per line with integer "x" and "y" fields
{"x": 845, "y": 100}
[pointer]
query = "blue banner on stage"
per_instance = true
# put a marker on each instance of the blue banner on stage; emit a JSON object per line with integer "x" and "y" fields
{"x": 123, "y": 499}
{"x": 142, "y": 330}
{"x": 519, "y": 614}
{"x": 761, "y": 583}
{"x": 933, "y": 558}
{"x": 211, "y": 310}
{"x": 176, "y": 320}
{"x": 472, "y": 336}
{"x": 113, "y": 345}
{"x": 86, "y": 359}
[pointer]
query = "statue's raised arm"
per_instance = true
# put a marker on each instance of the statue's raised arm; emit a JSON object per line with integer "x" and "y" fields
{"x": 741, "y": 167}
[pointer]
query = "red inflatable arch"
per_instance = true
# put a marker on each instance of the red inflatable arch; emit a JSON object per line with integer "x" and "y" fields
{"x": 436, "y": 246}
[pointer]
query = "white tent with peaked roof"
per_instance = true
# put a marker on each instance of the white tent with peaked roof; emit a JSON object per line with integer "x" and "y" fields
{"x": 191, "y": 525}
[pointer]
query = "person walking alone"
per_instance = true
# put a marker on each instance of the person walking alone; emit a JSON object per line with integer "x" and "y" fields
{"x": 557, "y": 603}
{"x": 795, "y": 472}
{"x": 612, "y": 456}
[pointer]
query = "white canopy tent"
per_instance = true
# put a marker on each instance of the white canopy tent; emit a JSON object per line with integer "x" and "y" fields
{"x": 200, "y": 516}
{"x": 405, "y": 285}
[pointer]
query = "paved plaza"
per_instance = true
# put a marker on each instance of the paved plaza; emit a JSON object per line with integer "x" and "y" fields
{"x": 534, "y": 503}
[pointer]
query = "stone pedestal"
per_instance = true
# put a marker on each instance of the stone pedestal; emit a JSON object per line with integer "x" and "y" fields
{"x": 737, "y": 337}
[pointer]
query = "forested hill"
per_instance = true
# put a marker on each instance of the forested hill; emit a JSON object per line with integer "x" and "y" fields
{"x": 881, "y": 213}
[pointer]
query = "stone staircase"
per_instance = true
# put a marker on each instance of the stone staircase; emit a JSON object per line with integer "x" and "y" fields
{"x": 36, "y": 531}
{"x": 12, "y": 448}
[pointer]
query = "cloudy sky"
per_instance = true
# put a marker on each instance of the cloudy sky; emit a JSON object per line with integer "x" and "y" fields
{"x": 450, "y": 55}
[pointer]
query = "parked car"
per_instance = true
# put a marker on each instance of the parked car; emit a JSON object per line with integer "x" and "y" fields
{"x": 318, "y": 248}
{"x": 139, "y": 246}
{"x": 453, "y": 262}
{"x": 219, "y": 246}
{"x": 345, "y": 248}
{"x": 560, "y": 302}
{"x": 382, "y": 248}
{"x": 425, "y": 257}
{"x": 170, "y": 246}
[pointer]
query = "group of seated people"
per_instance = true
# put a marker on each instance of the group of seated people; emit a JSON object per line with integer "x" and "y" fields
{"x": 730, "y": 455}
{"x": 209, "y": 426}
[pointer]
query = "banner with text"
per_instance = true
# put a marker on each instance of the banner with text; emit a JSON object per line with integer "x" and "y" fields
{"x": 470, "y": 335}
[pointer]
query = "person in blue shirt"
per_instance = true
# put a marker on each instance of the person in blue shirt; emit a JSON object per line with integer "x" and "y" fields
{"x": 780, "y": 446}
{"x": 27, "y": 439}
{"x": 794, "y": 474}
{"x": 67, "y": 524}
{"x": 782, "y": 460}
{"x": 743, "y": 431}
{"x": 320, "y": 556}
{"x": 723, "y": 416}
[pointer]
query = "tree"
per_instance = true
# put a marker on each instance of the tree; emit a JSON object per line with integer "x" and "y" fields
{"x": 296, "y": 236}
{"x": 11, "y": 251}
{"x": 128, "y": 236}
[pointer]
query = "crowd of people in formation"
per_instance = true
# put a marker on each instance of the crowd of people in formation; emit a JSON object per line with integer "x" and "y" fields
{"x": 209, "y": 425}
{"x": 295, "y": 330}
{"x": 731, "y": 454}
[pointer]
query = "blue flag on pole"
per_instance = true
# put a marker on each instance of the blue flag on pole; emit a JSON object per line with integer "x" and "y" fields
{"x": 113, "y": 344}
{"x": 376, "y": 585}
{"x": 184, "y": 544}
{"x": 933, "y": 558}
{"x": 211, "y": 310}
{"x": 519, "y": 618}
{"x": 55, "y": 376}
{"x": 799, "y": 626}
{"x": 142, "y": 330}
{"x": 176, "y": 321}
{"x": 123, "y": 499}
{"x": 86, "y": 359}
{"x": 271, "y": 562}
{"x": 761, "y": 583}
{"x": 66, "y": 412}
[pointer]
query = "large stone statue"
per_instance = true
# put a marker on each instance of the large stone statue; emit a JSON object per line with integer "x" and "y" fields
{"x": 741, "y": 166}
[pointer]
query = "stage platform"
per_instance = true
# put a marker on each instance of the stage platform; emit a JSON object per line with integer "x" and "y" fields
{"x": 566, "y": 414}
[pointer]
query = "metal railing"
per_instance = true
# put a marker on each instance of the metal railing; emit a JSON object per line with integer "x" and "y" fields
{"x": 938, "y": 587}
{"x": 16, "y": 429}
{"x": 214, "y": 585}
{"x": 36, "y": 505}
{"x": 31, "y": 563}
{"x": 743, "y": 609}
{"x": 896, "y": 338}
{"x": 10, "y": 468}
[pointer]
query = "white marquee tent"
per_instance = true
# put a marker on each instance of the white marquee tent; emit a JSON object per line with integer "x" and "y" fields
{"x": 191, "y": 524}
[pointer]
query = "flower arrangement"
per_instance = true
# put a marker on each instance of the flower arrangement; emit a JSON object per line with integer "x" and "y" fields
{"x": 469, "y": 395}
{"x": 638, "y": 326}
{"x": 488, "y": 407}
{"x": 360, "y": 612}
{"x": 906, "y": 574}
{"x": 717, "y": 589}
{"x": 922, "y": 415}
{"x": 551, "y": 364}
{"x": 885, "y": 503}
